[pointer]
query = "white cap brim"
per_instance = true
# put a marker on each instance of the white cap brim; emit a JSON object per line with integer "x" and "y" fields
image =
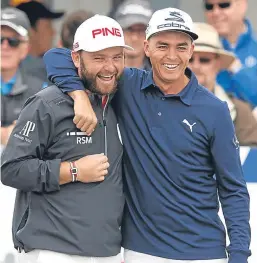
{"x": 19, "y": 29}
{"x": 95, "y": 49}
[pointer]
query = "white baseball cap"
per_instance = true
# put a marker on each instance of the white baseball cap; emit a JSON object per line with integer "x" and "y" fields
{"x": 171, "y": 19}
{"x": 98, "y": 33}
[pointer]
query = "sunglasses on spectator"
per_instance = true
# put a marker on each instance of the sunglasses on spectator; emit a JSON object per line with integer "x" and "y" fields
{"x": 202, "y": 60}
{"x": 12, "y": 41}
{"x": 222, "y": 5}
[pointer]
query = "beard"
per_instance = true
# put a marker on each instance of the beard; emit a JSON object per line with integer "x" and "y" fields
{"x": 90, "y": 82}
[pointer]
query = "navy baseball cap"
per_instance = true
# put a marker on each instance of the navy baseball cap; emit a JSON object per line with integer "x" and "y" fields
{"x": 36, "y": 10}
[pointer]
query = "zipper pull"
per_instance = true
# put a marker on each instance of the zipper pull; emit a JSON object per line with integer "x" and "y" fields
{"x": 104, "y": 122}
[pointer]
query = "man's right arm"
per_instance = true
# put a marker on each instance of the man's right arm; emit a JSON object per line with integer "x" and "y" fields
{"x": 61, "y": 70}
{"x": 63, "y": 73}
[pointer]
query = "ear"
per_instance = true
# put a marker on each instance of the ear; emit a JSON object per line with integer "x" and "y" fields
{"x": 242, "y": 6}
{"x": 24, "y": 50}
{"x": 146, "y": 48}
{"x": 192, "y": 48}
{"x": 75, "y": 58}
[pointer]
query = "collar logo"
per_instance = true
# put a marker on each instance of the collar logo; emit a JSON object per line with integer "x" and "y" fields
{"x": 175, "y": 16}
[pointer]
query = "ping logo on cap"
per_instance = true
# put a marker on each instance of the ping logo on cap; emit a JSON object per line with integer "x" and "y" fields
{"x": 105, "y": 31}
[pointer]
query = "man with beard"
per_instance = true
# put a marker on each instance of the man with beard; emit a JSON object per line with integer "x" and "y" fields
{"x": 69, "y": 206}
{"x": 174, "y": 143}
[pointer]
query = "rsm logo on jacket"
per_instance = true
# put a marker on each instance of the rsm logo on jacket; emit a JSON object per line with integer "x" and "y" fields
{"x": 82, "y": 137}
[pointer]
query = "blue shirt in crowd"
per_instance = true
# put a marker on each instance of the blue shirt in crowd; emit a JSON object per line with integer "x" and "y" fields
{"x": 6, "y": 87}
{"x": 242, "y": 84}
{"x": 173, "y": 146}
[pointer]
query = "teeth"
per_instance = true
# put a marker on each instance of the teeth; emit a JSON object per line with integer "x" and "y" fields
{"x": 171, "y": 66}
{"x": 106, "y": 77}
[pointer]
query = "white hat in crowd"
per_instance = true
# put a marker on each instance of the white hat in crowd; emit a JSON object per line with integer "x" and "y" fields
{"x": 98, "y": 33}
{"x": 171, "y": 19}
{"x": 209, "y": 41}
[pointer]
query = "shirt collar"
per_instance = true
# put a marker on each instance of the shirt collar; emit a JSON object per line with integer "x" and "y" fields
{"x": 185, "y": 95}
{"x": 11, "y": 81}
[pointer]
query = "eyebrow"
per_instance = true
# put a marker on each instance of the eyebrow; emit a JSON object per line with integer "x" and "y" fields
{"x": 183, "y": 44}
{"x": 104, "y": 55}
{"x": 161, "y": 43}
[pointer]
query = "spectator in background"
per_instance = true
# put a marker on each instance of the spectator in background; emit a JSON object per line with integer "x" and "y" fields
{"x": 133, "y": 16}
{"x": 70, "y": 25}
{"x": 208, "y": 59}
{"x": 16, "y": 85}
{"x": 228, "y": 18}
{"x": 41, "y": 35}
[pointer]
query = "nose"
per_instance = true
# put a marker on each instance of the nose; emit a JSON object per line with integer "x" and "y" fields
{"x": 134, "y": 36}
{"x": 109, "y": 65}
{"x": 4, "y": 44}
{"x": 216, "y": 10}
{"x": 172, "y": 53}
{"x": 195, "y": 64}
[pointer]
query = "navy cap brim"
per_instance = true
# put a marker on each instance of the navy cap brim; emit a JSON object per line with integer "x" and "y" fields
{"x": 53, "y": 15}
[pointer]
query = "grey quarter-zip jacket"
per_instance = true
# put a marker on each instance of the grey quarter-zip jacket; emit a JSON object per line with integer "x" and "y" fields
{"x": 11, "y": 104}
{"x": 75, "y": 218}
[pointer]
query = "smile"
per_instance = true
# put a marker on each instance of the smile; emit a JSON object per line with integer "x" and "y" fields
{"x": 170, "y": 66}
{"x": 106, "y": 77}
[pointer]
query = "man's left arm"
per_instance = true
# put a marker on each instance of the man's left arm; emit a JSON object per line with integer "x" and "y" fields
{"x": 232, "y": 188}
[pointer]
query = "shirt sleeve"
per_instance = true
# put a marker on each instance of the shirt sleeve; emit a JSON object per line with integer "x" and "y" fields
{"x": 231, "y": 184}
{"x": 24, "y": 165}
{"x": 61, "y": 70}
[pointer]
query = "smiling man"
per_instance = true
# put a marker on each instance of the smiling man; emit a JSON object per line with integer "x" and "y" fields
{"x": 174, "y": 142}
{"x": 228, "y": 17}
{"x": 69, "y": 206}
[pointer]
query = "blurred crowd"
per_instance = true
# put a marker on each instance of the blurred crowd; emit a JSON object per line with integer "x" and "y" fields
{"x": 224, "y": 60}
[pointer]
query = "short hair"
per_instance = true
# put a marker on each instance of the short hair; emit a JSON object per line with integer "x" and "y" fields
{"x": 70, "y": 25}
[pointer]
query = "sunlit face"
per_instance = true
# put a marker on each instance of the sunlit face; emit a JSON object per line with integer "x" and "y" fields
{"x": 205, "y": 65}
{"x": 225, "y": 15}
{"x": 12, "y": 56}
{"x": 134, "y": 37}
{"x": 169, "y": 53}
{"x": 42, "y": 35}
{"x": 101, "y": 70}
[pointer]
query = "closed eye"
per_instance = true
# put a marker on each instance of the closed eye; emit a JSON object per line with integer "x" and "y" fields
{"x": 162, "y": 47}
{"x": 118, "y": 57}
{"x": 182, "y": 48}
{"x": 98, "y": 59}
